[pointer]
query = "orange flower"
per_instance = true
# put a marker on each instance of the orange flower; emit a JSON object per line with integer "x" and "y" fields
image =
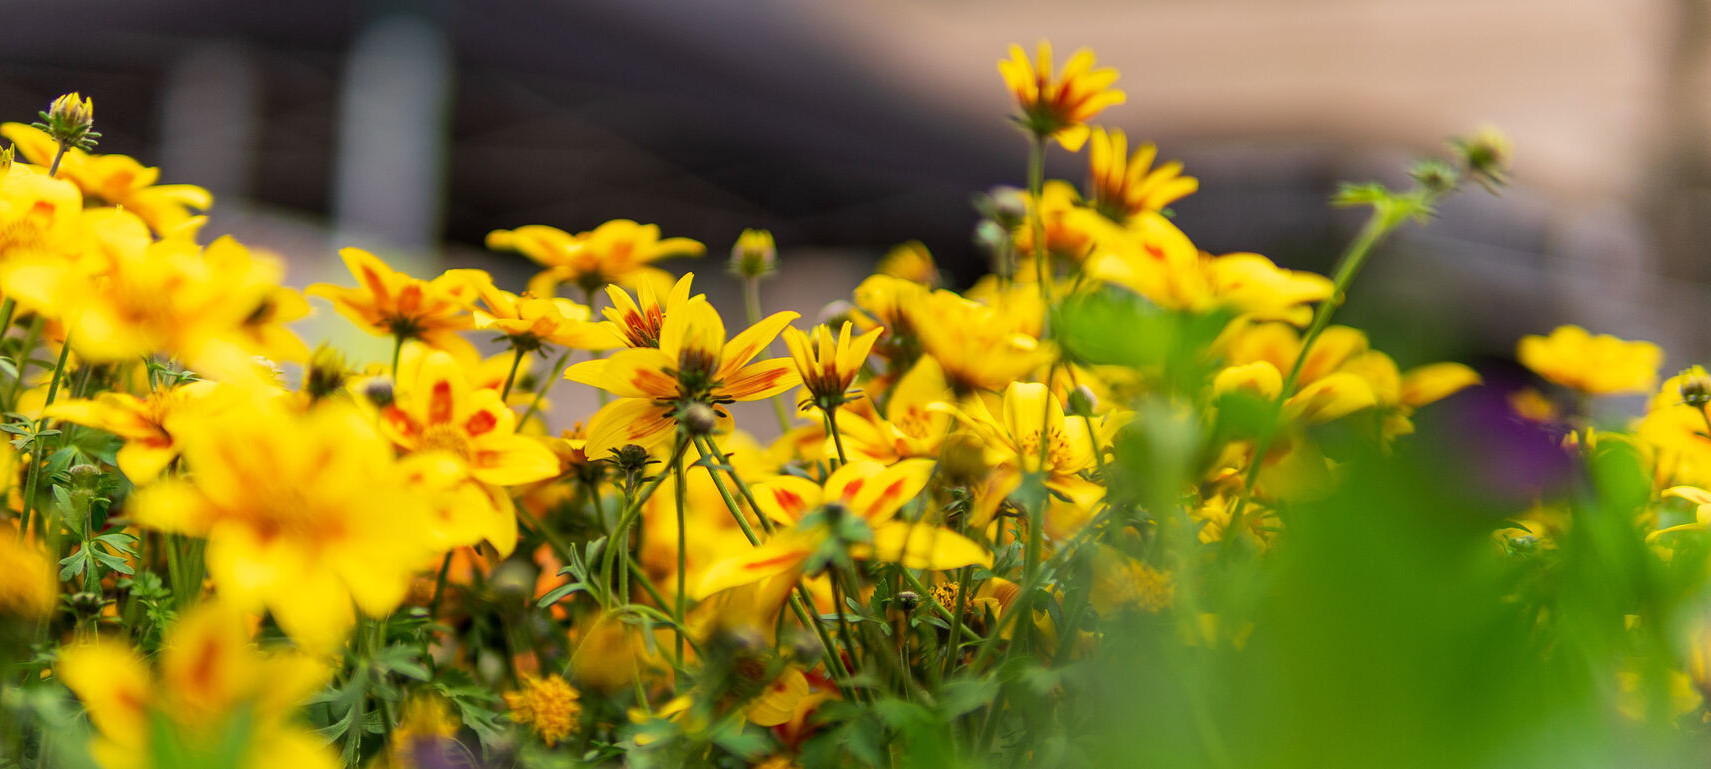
{"x": 389, "y": 303}
{"x": 1059, "y": 108}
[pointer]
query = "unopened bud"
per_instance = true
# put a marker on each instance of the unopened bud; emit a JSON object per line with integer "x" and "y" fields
{"x": 69, "y": 120}
{"x": 73, "y": 109}
{"x": 835, "y": 313}
{"x": 513, "y": 578}
{"x": 6, "y": 160}
{"x": 1435, "y": 175}
{"x": 991, "y": 236}
{"x": 630, "y": 458}
{"x": 755, "y": 255}
{"x": 700, "y": 419}
{"x": 1009, "y": 205}
{"x": 327, "y": 373}
{"x": 1695, "y": 389}
{"x": 87, "y": 603}
{"x": 84, "y": 476}
{"x": 1486, "y": 154}
{"x": 1082, "y": 401}
{"x": 379, "y": 391}
{"x": 908, "y": 600}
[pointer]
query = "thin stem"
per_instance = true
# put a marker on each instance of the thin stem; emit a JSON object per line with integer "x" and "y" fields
{"x": 440, "y": 585}
{"x": 510, "y": 379}
{"x": 832, "y": 430}
{"x": 37, "y": 456}
{"x": 751, "y": 306}
{"x": 1036, "y": 220}
{"x": 682, "y": 550}
{"x": 53, "y": 169}
{"x": 397, "y": 352}
{"x": 632, "y": 510}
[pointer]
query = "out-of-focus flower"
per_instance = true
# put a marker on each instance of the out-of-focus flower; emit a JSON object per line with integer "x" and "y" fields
{"x": 620, "y": 251}
{"x": 29, "y": 587}
{"x": 146, "y": 424}
{"x": 1059, "y": 107}
{"x": 1122, "y": 185}
{"x": 975, "y": 344}
{"x": 118, "y": 180}
{"x": 529, "y": 322}
{"x": 910, "y": 261}
{"x": 305, "y": 514}
{"x": 1594, "y": 365}
{"x": 214, "y": 698}
{"x": 390, "y": 303}
{"x": 550, "y": 706}
{"x": 425, "y": 734}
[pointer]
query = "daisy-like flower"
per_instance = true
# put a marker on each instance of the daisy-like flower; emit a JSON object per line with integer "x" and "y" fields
{"x": 390, "y": 303}
{"x": 437, "y": 411}
{"x": 638, "y": 322}
{"x": 529, "y": 322}
{"x": 146, "y": 424}
{"x": 692, "y": 365}
{"x": 620, "y": 251}
{"x": 975, "y": 344}
{"x": 862, "y": 491}
{"x": 1595, "y": 365}
{"x": 118, "y": 180}
{"x": 29, "y": 586}
{"x": 1122, "y": 185}
{"x": 307, "y": 515}
{"x": 215, "y": 698}
{"x": 828, "y": 366}
{"x": 1059, "y": 108}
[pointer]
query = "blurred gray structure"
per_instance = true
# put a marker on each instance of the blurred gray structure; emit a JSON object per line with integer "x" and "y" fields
{"x": 849, "y": 127}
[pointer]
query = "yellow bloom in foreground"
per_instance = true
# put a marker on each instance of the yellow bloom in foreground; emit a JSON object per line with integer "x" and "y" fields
{"x": 146, "y": 424}
{"x": 548, "y": 705}
{"x": 828, "y": 367}
{"x": 620, "y": 251}
{"x": 29, "y": 584}
{"x": 864, "y": 489}
{"x": 437, "y": 411}
{"x": 306, "y": 515}
{"x": 389, "y": 303}
{"x": 975, "y": 344}
{"x": 693, "y": 364}
{"x": 1060, "y": 107}
{"x": 1123, "y": 185}
{"x": 215, "y": 698}
{"x": 118, "y": 181}
{"x": 1595, "y": 365}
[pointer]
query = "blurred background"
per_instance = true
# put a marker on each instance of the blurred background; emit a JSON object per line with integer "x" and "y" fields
{"x": 414, "y": 128}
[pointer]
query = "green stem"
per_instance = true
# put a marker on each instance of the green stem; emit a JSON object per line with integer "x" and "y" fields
{"x": 440, "y": 585}
{"x": 397, "y": 352}
{"x": 751, "y": 306}
{"x": 832, "y": 429}
{"x": 30, "y": 339}
{"x": 558, "y": 371}
{"x": 682, "y": 603}
{"x": 37, "y": 454}
{"x": 632, "y": 510}
{"x": 1036, "y": 220}
{"x": 510, "y": 379}
{"x": 1379, "y": 225}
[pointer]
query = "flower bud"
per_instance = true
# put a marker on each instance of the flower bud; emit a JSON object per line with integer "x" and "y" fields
{"x": 908, "y": 600}
{"x": 835, "y": 313}
{"x": 86, "y": 604}
{"x": 1486, "y": 155}
{"x": 631, "y": 458}
{"x": 699, "y": 419}
{"x": 1435, "y": 175}
{"x": 1082, "y": 401}
{"x": 991, "y": 236}
{"x": 805, "y": 648}
{"x": 327, "y": 373}
{"x": 754, "y": 255}
{"x": 69, "y": 121}
{"x": 1695, "y": 389}
{"x": 379, "y": 391}
{"x": 6, "y": 160}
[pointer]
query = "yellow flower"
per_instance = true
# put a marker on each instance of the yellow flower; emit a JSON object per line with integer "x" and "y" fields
{"x": 425, "y": 728}
{"x": 828, "y": 367}
{"x": 435, "y": 410}
{"x": 639, "y": 322}
{"x": 975, "y": 344}
{"x": 389, "y": 303}
{"x": 528, "y": 322}
{"x": 1121, "y": 582}
{"x": 1032, "y": 435}
{"x": 1069, "y": 228}
{"x": 118, "y": 180}
{"x": 1701, "y": 501}
{"x": 146, "y": 424}
{"x": 1595, "y": 365}
{"x": 1122, "y": 185}
{"x": 29, "y": 585}
{"x": 1060, "y": 107}
{"x": 214, "y": 698}
{"x": 863, "y": 489}
{"x": 910, "y": 261}
{"x": 39, "y": 215}
{"x": 620, "y": 251}
{"x": 911, "y": 425}
{"x": 777, "y": 702}
{"x": 547, "y": 705}
{"x": 692, "y": 365}
{"x": 304, "y": 514}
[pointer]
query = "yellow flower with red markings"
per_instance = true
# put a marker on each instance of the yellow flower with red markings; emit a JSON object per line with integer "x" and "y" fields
{"x": 146, "y": 424}
{"x": 639, "y": 322}
{"x": 693, "y": 364}
{"x": 828, "y": 366}
{"x": 118, "y": 180}
{"x": 862, "y": 490}
{"x": 1122, "y": 185}
{"x": 528, "y": 322}
{"x": 436, "y": 411}
{"x": 307, "y": 515}
{"x": 911, "y": 426}
{"x": 213, "y": 699}
{"x": 1059, "y": 107}
{"x": 390, "y": 303}
{"x": 620, "y": 251}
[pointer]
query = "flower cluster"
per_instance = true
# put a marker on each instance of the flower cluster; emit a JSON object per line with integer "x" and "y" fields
{"x": 1112, "y": 459}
